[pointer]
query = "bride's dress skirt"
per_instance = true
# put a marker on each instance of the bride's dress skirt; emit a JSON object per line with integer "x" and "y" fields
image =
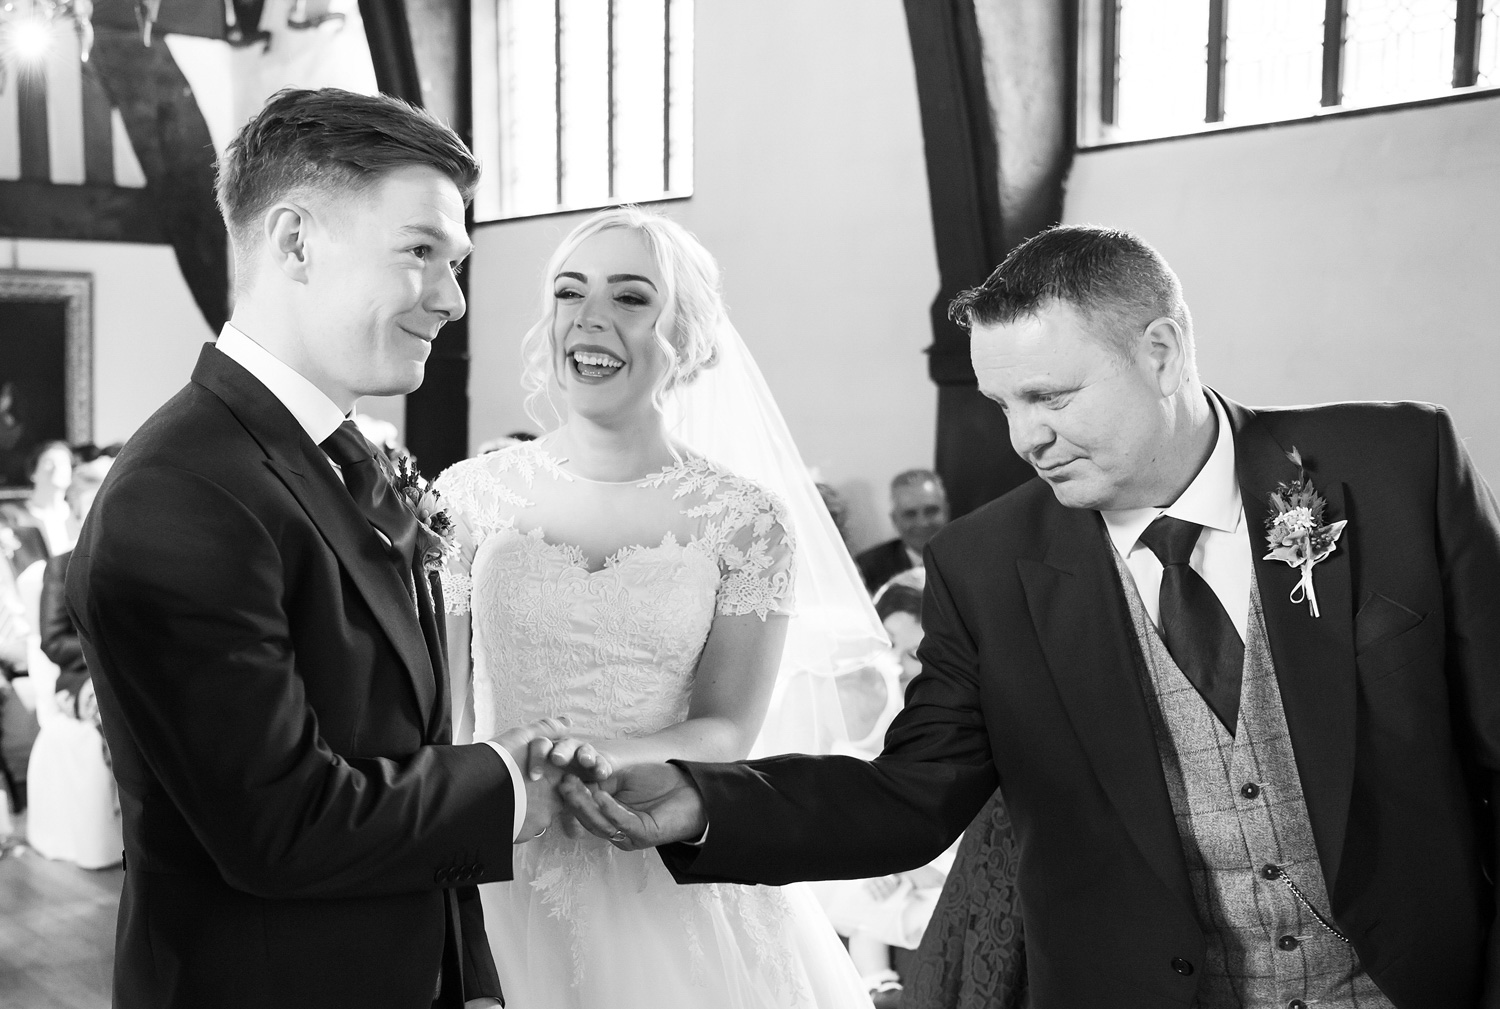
{"x": 586, "y": 925}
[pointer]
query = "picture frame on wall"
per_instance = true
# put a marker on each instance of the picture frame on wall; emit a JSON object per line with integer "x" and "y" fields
{"x": 46, "y": 366}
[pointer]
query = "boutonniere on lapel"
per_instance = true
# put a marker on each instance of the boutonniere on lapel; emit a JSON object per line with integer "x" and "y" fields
{"x": 435, "y": 534}
{"x": 9, "y": 542}
{"x": 1296, "y": 532}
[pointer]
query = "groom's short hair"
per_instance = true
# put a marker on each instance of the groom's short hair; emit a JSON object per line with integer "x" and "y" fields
{"x": 332, "y": 143}
{"x": 1112, "y": 278}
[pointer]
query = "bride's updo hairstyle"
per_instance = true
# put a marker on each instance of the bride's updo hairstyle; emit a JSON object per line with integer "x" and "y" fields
{"x": 692, "y": 305}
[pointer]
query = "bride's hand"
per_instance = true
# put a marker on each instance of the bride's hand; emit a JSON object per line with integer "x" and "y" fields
{"x": 581, "y": 758}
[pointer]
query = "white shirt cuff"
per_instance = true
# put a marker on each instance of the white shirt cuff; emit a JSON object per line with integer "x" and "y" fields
{"x": 517, "y": 785}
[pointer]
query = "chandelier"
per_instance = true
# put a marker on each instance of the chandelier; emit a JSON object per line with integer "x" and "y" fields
{"x": 28, "y": 29}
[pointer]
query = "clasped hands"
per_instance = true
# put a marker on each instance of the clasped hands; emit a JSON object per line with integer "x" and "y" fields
{"x": 573, "y": 784}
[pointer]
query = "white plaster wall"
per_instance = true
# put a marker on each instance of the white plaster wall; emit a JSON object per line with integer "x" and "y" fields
{"x": 811, "y": 189}
{"x": 147, "y": 328}
{"x": 1349, "y": 258}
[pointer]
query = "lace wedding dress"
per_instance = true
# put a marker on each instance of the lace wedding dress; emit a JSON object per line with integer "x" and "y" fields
{"x": 594, "y": 600}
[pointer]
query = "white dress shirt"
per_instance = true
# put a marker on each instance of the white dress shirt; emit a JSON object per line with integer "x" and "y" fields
{"x": 319, "y": 416}
{"x": 1222, "y": 553}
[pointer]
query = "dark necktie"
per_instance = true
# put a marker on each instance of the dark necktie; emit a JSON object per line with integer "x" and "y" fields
{"x": 372, "y": 491}
{"x": 1198, "y": 631}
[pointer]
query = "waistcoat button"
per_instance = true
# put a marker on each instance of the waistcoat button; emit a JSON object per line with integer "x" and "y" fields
{"x": 1181, "y": 966}
{"x": 1270, "y": 871}
{"x": 1296, "y": 1003}
{"x": 1287, "y": 942}
{"x": 1250, "y": 790}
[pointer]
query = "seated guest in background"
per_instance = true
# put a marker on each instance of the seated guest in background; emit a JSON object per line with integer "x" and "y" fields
{"x": 41, "y": 521}
{"x": 59, "y": 635}
{"x": 41, "y": 526}
{"x": 73, "y": 812}
{"x": 919, "y": 508}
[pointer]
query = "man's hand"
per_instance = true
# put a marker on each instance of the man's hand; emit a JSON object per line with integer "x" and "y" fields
{"x": 639, "y": 807}
{"x": 529, "y": 745}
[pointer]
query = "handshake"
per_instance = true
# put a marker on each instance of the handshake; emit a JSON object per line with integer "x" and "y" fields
{"x": 575, "y": 786}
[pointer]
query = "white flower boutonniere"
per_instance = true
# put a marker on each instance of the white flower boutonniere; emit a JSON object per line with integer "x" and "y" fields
{"x": 435, "y": 540}
{"x": 1296, "y": 532}
{"x": 9, "y": 542}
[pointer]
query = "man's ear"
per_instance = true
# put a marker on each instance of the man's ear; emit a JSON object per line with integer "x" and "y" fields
{"x": 286, "y": 239}
{"x": 1166, "y": 346}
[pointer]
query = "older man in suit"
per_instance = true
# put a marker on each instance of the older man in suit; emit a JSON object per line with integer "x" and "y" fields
{"x": 1234, "y": 781}
{"x": 257, "y": 608}
{"x": 919, "y": 508}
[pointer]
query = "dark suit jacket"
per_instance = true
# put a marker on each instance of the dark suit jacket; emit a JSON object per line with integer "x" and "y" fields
{"x": 297, "y": 830}
{"x": 1030, "y": 680}
{"x": 881, "y": 563}
{"x": 59, "y": 637}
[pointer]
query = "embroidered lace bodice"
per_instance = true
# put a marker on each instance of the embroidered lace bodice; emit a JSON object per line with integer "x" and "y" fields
{"x": 594, "y": 600}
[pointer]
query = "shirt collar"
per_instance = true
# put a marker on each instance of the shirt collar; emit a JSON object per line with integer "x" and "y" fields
{"x": 1212, "y": 500}
{"x": 309, "y": 405}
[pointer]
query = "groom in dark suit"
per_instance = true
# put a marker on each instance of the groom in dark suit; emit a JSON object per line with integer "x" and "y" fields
{"x": 1234, "y": 781}
{"x": 258, "y": 614}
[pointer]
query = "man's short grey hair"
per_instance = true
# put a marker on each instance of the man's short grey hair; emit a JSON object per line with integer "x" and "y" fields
{"x": 916, "y": 478}
{"x": 1114, "y": 279}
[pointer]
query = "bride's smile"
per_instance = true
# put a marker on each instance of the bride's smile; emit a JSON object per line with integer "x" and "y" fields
{"x": 611, "y": 353}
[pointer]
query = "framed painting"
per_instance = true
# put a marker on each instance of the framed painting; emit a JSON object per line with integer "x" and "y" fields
{"x": 46, "y": 366}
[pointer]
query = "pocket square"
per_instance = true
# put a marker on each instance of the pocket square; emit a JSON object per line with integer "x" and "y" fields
{"x": 1381, "y": 618}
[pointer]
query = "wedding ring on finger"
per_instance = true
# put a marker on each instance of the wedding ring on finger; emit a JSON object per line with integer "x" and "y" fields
{"x": 618, "y": 837}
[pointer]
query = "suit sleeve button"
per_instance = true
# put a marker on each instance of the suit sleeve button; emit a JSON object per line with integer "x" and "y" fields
{"x": 1250, "y": 790}
{"x": 1296, "y": 1003}
{"x": 1287, "y": 942}
{"x": 1181, "y": 966}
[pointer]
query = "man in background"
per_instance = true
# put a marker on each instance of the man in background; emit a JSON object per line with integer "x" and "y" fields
{"x": 919, "y": 508}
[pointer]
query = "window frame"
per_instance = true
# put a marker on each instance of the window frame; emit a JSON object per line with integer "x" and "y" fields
{"x": 491, "y": 76}
{"x": 1099, "y": 85}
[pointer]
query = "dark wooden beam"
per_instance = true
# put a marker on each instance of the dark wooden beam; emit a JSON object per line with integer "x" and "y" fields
{"x": 31, "y": 122}
{"x": 1466, "y": 27}
{"x": 437, "y": 414}
{"x": 89, "y": 213}
{"x": 996, "y": 160}
{"x": 1109, "y": 62}
{"x": 1333, "y": 52}
{"x": 1218, "y": 51}
{"x": 172, "y": 144}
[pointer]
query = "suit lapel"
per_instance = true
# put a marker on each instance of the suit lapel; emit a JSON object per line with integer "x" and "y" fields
{"x": 1314, "y": 656}
{"x": 301, "y": 466}
{"x": 1078, "y": 608}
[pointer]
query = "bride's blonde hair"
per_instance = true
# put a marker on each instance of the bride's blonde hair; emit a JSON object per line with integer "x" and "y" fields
{"x": 686, "y": 330}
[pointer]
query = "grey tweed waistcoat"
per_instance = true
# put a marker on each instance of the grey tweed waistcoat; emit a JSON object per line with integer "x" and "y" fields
{"x": 1246, "y": 836}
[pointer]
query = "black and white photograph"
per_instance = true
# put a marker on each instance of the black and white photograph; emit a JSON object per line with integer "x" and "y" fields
{"x": 803, "y": 504}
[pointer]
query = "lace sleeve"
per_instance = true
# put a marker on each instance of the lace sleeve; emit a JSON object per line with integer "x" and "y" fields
{"x": 755, "y": 559}
{"x": 457, "y": 486}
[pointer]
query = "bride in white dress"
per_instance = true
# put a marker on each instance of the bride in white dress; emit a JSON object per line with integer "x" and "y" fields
{"x": 642, "y": 590}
